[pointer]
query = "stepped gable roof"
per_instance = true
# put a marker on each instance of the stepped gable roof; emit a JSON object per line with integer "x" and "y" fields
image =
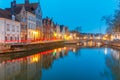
{"x": 17, "y": 9}
{"x": 61, "y": 28}
{"x": 30, "y": 7}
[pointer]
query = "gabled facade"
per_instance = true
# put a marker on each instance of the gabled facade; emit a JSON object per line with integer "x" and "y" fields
{"x": 22, "y": 17}
{"x": 62, "y": 31}
{"x": 35, "y": 9}
{"x": 25, "y": 13}
{"x": 48, "y": 25}
{"x": 39, "y": 26}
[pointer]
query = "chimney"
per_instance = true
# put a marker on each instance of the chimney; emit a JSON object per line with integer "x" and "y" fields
{"x": 14, "y": 3}
{"x": 26, "y": 2}
{"x": 13, "y": 17}
{"x": 12, "y": 10}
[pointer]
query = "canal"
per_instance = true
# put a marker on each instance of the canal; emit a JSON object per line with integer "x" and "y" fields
{"x": 65, "y": 63}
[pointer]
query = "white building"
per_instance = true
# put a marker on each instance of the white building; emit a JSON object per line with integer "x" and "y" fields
{"x": 9, "y": 28}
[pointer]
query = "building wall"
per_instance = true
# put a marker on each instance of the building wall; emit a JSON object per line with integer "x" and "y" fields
{"x": 63, "y": 33}
{"x": 38, "y": 14}
{"x": 39, "y": 26}
{"x": 2, "y": 30}
{"x": 31, "y": 26}
{"x": 46, "y": 29}
{"x": 10, "y": 31}
{"x": 22, "y": 17}
{"x": 58, "y": 31}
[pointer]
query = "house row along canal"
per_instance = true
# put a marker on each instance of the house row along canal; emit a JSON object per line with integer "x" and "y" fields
{"x": 64, "y": 63}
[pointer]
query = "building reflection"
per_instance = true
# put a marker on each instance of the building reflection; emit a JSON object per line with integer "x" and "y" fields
{"x": 113, "y": 62}
{"x": 30, "y": 67}
{"x": 21, "y": 69}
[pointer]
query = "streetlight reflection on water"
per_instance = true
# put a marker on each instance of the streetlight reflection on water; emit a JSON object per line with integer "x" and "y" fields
{"x": 42, "y": 63}
{"x": 106, "y": 51}
{"x": 74, "y": 50}
{"x": 30, "y": 65}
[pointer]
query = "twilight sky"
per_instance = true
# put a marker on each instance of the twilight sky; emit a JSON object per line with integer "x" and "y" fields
{"x": 72, "y": 13}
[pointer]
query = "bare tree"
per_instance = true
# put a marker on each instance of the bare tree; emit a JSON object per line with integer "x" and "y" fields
{"x": 113, "y": 22}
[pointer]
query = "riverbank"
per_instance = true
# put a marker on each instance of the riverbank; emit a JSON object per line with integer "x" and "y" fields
{"x": 33, "y": 46}
{"x": 40, "y": 46}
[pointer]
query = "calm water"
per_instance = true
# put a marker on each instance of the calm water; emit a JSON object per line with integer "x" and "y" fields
{"x": 67, "y": 63}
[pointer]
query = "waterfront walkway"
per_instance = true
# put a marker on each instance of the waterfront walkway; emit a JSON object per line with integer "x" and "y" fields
{"x": 30, "y": 46}
{"x": 43, "y": 44}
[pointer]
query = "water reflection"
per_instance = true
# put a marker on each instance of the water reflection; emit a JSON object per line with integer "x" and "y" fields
{"x": 95, "y": 63}
{"x": 106, "y": 51}
{"x": 21, "y": 69}
{"x": 113, "y": 62}
{"x": 30, "y": 67}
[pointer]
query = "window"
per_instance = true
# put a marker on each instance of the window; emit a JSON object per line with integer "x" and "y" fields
{"x": 29, "y": 25}
{"x": 13, "y": 28}
{"x": 18, "y": 37}
{"x": 29, "y": 18}
{"x": 17, "y": 27}
{"x": 8, "y": 27}
{"x": 24, "y": 20}
{"x": 11, "y": 39}
{"x": 6, "y": 38}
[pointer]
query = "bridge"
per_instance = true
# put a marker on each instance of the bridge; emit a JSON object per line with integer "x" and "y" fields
{"x": 88, "y": 42}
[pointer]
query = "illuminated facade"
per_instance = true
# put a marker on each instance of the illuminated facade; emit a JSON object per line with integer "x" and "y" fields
{"x": 31, "y": 27}
{"x": 30, "y": 17}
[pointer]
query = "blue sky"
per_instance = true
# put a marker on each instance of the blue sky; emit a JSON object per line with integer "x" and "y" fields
{"x": 72, "y": 13}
